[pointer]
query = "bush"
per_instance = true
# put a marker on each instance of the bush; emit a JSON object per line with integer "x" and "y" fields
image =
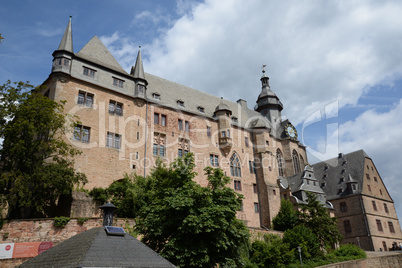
{"x": 81, "y": 221}
{"x": 350, "y": 250}
{"x": 306, "y": 239}
{"x": 271, "y": 252}
{"x": 61, "y": 222}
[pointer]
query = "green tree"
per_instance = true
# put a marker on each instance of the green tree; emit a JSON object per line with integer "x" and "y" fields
{"x": 36, "y": 163}
{"x": 301, "y": 236}
{"x": 315, "y": 216}
{"x": 271, "y": 252}
{"x": 191, "y": 225}
{"x": 286, "y": 218}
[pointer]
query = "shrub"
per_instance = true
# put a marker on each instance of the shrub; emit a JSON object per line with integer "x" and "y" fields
{"x": 61, "y": 222}
{"x": 350, "y": 250}
{"x": 306, "y": 239}
{"x": 81, "y": 221}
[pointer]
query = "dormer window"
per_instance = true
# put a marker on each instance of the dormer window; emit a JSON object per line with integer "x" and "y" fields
{"x": 61, "y": 61}
{"x": 341, "y": 179}
{"x": 156, "y": 96}
{"x": 340, "y": 191}
{"x": 235, "y": 120}
{"x": 89, "y": 72}
{"x": 180, "y": 103}
{"x": 201, "y": 109}
{"x": 141, "y": 88}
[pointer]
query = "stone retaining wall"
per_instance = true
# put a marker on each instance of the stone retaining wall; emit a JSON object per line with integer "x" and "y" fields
{"x": 391, "y": 261}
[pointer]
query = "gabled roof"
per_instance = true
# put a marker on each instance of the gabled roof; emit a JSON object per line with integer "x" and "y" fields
{"x": 95, "y": 51}
{"x": 336, "y": 172}
{"x": 94, "y": 248}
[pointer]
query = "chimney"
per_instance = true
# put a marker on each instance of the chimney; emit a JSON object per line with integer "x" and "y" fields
{"x": 242, "y": 103}
{"x": 108, "y": 210}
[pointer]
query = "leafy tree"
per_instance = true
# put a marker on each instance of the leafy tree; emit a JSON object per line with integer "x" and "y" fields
{"x": 316, "y": 217}
{"x": 191, "y": 225}
{"x": 306, "y": 239}
{"x": 36, "y": 163}
{"x": 286, "y": 218}
{"x": 271, "y": 252}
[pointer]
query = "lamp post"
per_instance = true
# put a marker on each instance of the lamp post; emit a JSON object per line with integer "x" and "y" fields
{"x": 108, "y": 209}
{"x": 358, "y": 241}
{"x": 299, "y": 248}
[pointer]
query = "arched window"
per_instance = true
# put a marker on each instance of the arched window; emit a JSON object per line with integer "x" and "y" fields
{"x": 281, "y": 162}
{"x": 235, "y": 170}
{"x": 302, "y": 165}
{"x": 296, "y": 163}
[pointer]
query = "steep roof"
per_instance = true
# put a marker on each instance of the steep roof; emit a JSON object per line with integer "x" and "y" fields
{"x": 138, "y": 69}
{"x": 95, "y": 51}
{"x": 67, "y": 39}
{"x": 336, "y": 172}
{"x": 94, "y": 248}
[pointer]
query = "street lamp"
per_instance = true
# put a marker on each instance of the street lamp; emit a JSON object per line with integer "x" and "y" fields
{"x": 299, "y": 248}
{"x": 358, "y": 241}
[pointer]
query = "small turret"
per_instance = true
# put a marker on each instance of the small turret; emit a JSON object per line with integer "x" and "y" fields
{"x": 63, "y": 55}
{"x": 223, "y": 113}
{"x": 137, "y": 72}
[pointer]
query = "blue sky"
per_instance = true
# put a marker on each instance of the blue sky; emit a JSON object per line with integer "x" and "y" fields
{"x": 335, "y": 65}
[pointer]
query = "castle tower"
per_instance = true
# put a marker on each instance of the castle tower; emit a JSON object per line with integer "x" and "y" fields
{"x": 63, "y": 55}
{"x": 137, "y": 72}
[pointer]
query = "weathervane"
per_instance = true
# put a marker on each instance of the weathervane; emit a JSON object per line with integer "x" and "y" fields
{"x": 263, "y": 66}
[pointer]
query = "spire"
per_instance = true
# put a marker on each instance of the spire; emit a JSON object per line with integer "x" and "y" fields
{"x": 67, "y": 40}
{"x": 138, "y": 70}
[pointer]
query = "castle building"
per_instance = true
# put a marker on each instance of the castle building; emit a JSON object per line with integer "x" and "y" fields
{"x": 355, "y": 194}
{"x": 128, "y": 120}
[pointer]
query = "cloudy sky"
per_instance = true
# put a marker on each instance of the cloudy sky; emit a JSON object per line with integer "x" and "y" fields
{"x": 335, "y": 65}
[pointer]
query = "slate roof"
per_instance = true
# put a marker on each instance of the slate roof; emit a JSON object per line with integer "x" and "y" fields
{"x": 334, "y": 174}
{"x": 94, "y": 248}
{"x": 67, "y": 39}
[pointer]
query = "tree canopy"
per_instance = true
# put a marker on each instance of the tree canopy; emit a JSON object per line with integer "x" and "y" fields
{"x": 36, "y": 163}
{"x": 190, "y": 225}
{"x": 286, "y": 217}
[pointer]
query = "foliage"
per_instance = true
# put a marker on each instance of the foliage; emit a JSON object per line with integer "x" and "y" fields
{"x": 316, "y": 217}
{"x": 1, "y": 39}
{"x": 349, "y": 250}
{"x": 190, "y": 225}
{"x": 81, "y": 221}
{"x": 37, "y": 164}
{"x": 61, "y": 222}
{"x": 271, "y": 252}
{"x": 306, "y": 239}
{"x": 286, "y": 218}
{"x": 99, "y": 194}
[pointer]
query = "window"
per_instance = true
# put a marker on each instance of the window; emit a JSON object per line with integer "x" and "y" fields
{"x": 81, "y": 133}
{"x": 386, "y": 208}
{"x": 296, "y": 163}
{"x": 180, "y": 154}
{"x": 208, "y": 131}
{"x": 89, "y": 72}
{"x": 180, "y": 124}
{"x": 61, "y": 61}
{"x": 274, "y": 192}
{"x": 160, "y": 119}
{"x": 391, "y": 227}
{"x": 235, "y": 166}
{"x": 180, "y": 103}
{"x": 251, "y": 166}
{"x": 159, "y": 144}
{"x": 156, "y": 119}
{"x": 138, "y": 135}
{"x": 354, "y": 187}
{"x": 384, "y": 245}
{"x": 347, "y": 226}
{"x": 201, "y": 109}
{"x": 115, "y": 108}
{"x": 379, "y": 226}
{"x": 380, "y": 192}
{"x": 255, "y": 190}
{"x": 375, "y": 179}
{"x": 237, "y": 185}
{"x": 223, "y": 134}
{"x": 235, "y": 120}
{"x": 267, "y": 143}
{"x": 374, "y": 205}
{"x": 281, "y": 162}
{"x": 246, "y": 141}
{"x": 369, "y": 187}
{"x": 156, "y": 96}
{"x": 256, "y": 208}
{"x": 184, "y": 146}
{"x": 117, "y": 82}
{"x": 368, "y": 176}
{"x": 113, "y": 140}
{"x": 163, "y": 120}
{"x": 85, "y": 98}
{"x": 214, "y": 160}
{"x": 187, "y": 126}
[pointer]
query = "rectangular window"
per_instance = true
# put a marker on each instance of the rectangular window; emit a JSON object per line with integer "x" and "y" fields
{"x": 180, "y": 152}
{"x": 368, "y": 176}
{"x": 159, "y": 144}
{"x": 187, "y": 126}
{"x": 81, "y": 133}
{"x": 386, "y": 208}
{"x": 180, "y": 124}
{"x": 163, "y": 120}
{"x": 156, "y": 118}
{"x": 255, "y": 190}
{"x": 161, "y": 150}
{"x": 237, "y": 185}
{"x": 223, "y": 134}
{"x": 246, "y": 141}
{"x": 375, "y": 179}
{"x": 391, "y": 227}
{"x": 251, "y": 166}
{"x": 379, "y": 226}
{"x": 369, "y": 187}
{"x": 384, "y": 245}
{"x": 89, "y": 72}
{"x": 66, "y": 62}
{"x": 118, "y": 82}
{"x": 256, "y": 208}
{"x": 208, "y": 132}
{"x": 214, "y": 160}
{"x": 113, "y": 140}
{"x": 115, "y": 107}
{"x": 343, "y": 206}
{"x": 155, "y": 149}
{"x": 347, "y": 226}
{"x": 85, "y": 98}
{"x": 374, "y": 205}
